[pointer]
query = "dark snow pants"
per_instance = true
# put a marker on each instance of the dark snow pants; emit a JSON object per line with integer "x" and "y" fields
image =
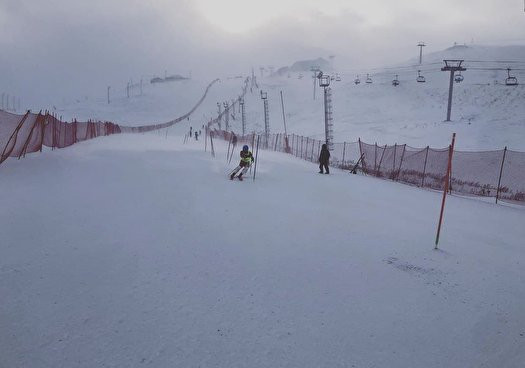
{"x": 325, "y": 165}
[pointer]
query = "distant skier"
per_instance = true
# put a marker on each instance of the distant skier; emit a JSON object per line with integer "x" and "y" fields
{"x": 246, "y": 161}
{"x": 196, "y": 135}
{"x": 191, "y": 128}
{"x": 324, "y": 158}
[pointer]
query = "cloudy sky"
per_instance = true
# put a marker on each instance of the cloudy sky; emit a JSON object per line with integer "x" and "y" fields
{"x": 63, "y": 46}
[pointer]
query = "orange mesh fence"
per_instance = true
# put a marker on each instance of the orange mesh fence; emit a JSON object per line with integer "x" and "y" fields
{"x": 21, "y": 134}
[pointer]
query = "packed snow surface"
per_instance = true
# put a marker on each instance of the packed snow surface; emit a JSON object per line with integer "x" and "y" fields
{"x": 135, "y": 250}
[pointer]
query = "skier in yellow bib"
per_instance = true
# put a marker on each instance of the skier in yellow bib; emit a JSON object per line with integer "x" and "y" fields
{"x": 246, "y": 161}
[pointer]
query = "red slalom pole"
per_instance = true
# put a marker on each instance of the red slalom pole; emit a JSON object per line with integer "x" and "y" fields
{"x": 445, "y": 190}
{"x": 256, "y": 157}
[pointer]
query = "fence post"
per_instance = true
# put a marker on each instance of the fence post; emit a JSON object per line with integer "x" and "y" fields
{"x": 375, "y": 156}
{"x": 401, "y": 161}
{"x": 344, "y": 149}
{"x": 361, "y": 154}
{"x": 447, "y": 176}
{"x": 312, "y": 156}
{"x": 5, "y": 154}
{"x": 500, "y": 173}
{"x": 229, "y": 144}
{"x": 26, "y": 143}
{"x": 424, "y": 168}
{"x": 44, "y": 123}
{"x": 306, "y": 148}
{"x": 211, "y": 145}
{"x": 380, "y": 160}
{"x": 394, "y": 162}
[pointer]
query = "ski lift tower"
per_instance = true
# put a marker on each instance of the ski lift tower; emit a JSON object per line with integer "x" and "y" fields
{"x": 243, "y": 116}
{"x": 324, "y": 81}
{"x": 264, "y": 97}
{"x": 219, "y": 120}
{"x": 421, "y": 45}
{"x": 315, "y": 70}
{"x": 451, "y": 66}
{"x": 226, "y": 115}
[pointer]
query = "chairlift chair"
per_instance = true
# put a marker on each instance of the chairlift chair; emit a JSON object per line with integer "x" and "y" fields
{"x": 420, "y": 78}
{"x": 357, "y": 80}
{"x": 337, "y": 78}
{"x": 395, "y": 82}
{"x": 368, "y": 79}
{"x": 458, "y": 78}
{"x": 511, "y": 80}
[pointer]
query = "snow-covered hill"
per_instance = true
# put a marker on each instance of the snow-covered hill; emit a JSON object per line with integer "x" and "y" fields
{"x": 486, "y": 115}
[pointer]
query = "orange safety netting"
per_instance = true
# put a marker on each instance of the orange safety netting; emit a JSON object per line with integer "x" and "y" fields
{"x": 499, "y": 174}
{"x": 21, "y": 134}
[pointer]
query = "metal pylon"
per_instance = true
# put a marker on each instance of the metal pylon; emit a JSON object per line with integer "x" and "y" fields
{"x": 227, "y": 116}
{"x": 266, "y": 124}
{"x": 328, "y": 120}
{"x": 219, "y": 120}
{"x": 243, "y": 118}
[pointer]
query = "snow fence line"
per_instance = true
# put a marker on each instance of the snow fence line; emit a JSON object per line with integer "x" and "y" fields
{"x": 498, "y": 174}
{"x": 21, "y": 134}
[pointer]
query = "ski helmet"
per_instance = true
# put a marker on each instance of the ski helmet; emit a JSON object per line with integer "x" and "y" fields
{"x": 245, "y": 148}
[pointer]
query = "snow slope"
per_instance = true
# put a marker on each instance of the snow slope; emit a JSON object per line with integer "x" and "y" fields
{"x": 136, "y": 250}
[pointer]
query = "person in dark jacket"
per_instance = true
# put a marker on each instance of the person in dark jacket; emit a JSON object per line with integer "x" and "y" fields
{"x": 324, "y": 158}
